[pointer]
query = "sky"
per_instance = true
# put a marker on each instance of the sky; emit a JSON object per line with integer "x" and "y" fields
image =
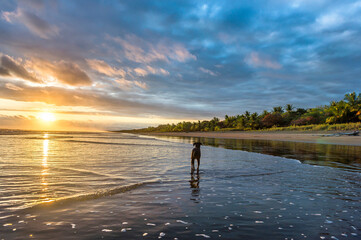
{"x": 107, "y": 65}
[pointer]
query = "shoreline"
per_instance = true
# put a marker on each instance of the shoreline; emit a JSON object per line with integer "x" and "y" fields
{"x": 306, "y": 137}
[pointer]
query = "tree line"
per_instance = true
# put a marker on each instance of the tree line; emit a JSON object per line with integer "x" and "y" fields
{"x": 344, "y": 111}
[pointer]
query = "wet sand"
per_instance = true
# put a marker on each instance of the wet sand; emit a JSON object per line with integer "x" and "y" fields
{"x": 314, "y": 137}
{"x": 119, "y": 186}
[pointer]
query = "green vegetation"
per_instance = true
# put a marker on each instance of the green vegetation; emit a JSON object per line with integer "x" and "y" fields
{"x": 342, "y": 115}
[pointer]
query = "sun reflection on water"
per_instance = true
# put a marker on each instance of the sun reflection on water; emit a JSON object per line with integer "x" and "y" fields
{"x": 45, "y": 168}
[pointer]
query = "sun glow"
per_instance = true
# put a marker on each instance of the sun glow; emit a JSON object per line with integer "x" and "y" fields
{"x": 47, "y": 116}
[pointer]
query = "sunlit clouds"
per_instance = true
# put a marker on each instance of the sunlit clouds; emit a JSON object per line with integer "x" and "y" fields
{"x": 122, "y": 64}
{"x": 102, "y": 67}
{"x": 11, "y": 68}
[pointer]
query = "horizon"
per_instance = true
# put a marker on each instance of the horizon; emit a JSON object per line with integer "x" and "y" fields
{"x": 93, "y": 66}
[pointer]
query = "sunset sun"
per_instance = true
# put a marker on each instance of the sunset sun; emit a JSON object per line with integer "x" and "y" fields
{"x": 47, "y": 117}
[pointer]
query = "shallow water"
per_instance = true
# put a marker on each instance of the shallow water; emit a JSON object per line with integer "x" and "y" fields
{"x": 110, "y": 185}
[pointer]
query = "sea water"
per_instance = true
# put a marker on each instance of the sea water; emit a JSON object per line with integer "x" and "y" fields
{"x": 57, "y": 185}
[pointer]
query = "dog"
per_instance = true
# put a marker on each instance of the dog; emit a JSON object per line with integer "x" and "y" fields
{"x": 196, "y": 154}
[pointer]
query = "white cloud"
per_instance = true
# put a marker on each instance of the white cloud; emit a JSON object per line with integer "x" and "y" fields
{"x": 328, "y": 21}
{"x": 208, "y": 71}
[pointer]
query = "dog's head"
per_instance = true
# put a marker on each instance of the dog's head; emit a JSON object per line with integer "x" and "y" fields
{"x": 197, "y": 144}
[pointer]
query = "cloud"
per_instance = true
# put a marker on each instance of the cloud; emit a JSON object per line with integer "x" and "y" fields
{"x": 328, "y": 21}
{"x": 127, "y": 84}
{"x": 159, "y": 71}
{"x": 35, "y": 24}
{"x": 13, "y": 87}
{"x": 166, "y": 55}
{"x": 140, "y": 71}
{"x": 142, "y": 85}
{"x": 207, "y": 71}
{"x": 254, "y": 59}
{"x": 69, "y": 73}
{"x": 65, "y": 72}
{"x": 141, "y": 51}
{"x": 104, "y": 68}
{"x": 99, "y": 101}
{"x": 16, "y": 121}
{"x": 10, "y": 67}
{"x": 4, "y": 72}
{"x": 31, "y": 122}
{"x": 150, "y": 70}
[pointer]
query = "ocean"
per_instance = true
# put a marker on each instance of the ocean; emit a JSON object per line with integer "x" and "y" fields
{"x": 69, "y": 185}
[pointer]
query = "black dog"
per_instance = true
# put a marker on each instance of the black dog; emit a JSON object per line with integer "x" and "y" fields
{"x": 196, "y": 154}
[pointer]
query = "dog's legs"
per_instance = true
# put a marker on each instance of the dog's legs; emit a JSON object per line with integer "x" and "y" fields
{"x": 192, "y": 165}
{"x": 199, "y": 161}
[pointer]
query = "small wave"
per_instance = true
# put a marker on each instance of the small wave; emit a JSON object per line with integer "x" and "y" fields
{"x": 112, "y": 143}
{"x": 59, "y": 169}
{"x": 86, "y": 172}
{"x": 117, "y": 138}
{"x": 254, "y": 175}
{"x": 91, "y": 196}
{"x": 48, "y": 137}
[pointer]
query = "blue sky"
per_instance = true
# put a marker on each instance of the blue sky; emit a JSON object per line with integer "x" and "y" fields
{"x": 174, "y": 60}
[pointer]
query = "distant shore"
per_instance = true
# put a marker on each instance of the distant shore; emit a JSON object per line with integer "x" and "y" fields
{"x": 293, "y": 136}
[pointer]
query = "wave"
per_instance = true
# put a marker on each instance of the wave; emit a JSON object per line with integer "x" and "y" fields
{"x": 111, "y": 143}
{"x": 48, "y": 137}
{"x": 59, "y": 169}
{"x": 253, "y": 175}
{"x": 90, "y": 196}
{"x": 86, "y": 172}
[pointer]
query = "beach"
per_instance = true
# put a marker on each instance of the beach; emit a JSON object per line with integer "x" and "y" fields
{"x": 292, "y": 136}
{"x": 115, "y": 185}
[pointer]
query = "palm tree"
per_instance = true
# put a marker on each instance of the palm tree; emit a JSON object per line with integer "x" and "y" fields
{"x": 339, "y": 112}
{"x": 254, "y": 121}
{"x": 241, "y": 122}
{"x": 278, "y": 109}
{"x": 354, "y": 103}
{"x": 289, "y": 108}
{"x": 353, "y": 99}
{"x": 247, "y": 114}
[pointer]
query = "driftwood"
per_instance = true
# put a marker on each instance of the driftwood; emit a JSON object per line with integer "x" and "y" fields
{"x": 355, "y": 133}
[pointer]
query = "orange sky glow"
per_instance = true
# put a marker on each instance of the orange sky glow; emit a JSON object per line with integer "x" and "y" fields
{"x": 123, "y": 65}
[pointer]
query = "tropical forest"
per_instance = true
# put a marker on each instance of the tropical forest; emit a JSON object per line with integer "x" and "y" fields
{"x": 338, "y": 115}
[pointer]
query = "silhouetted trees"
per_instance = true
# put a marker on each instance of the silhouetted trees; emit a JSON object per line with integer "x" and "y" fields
{"x": 344, "y": 111}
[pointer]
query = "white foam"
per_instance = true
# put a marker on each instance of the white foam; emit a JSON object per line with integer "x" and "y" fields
{"x": 202, "y": 235}
{"x": 180, "y": 221}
